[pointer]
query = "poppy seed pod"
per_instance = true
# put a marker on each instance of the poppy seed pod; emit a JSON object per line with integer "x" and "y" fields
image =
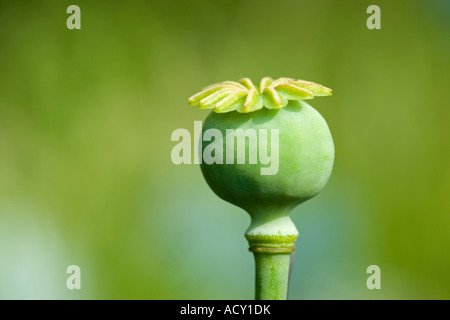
{"x": 273, "y": 122}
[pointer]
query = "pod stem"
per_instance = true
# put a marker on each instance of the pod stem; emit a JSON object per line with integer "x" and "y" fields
{"x": 272, "y": 275}
{"x": 272, "y": 240}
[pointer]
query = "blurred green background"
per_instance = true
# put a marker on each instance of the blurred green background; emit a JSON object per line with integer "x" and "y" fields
{"x": 86, "y": 176}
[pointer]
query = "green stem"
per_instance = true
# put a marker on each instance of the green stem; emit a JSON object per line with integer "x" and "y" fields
{"x": 272, "y": 275}
{"x": 271, "y": 237}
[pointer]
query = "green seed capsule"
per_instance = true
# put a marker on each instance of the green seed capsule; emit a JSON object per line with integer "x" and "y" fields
{"x": 289, "y": 132}
{"x": 306, "y": 155}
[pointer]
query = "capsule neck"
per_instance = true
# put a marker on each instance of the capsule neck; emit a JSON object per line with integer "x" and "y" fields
{"x": 271, "y": 234}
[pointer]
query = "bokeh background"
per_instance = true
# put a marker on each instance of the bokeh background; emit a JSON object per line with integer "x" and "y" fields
{"x": 86, "y": 176}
